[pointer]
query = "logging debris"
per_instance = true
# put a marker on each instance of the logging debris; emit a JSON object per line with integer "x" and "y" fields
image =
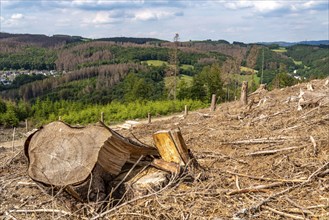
{"x": 304, "y": 175}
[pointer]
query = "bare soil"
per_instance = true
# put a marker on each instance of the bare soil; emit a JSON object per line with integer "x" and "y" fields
{"x": 268, "y": 161}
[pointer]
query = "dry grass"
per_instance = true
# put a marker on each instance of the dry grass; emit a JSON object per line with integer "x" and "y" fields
{"x": 269, "y": 162}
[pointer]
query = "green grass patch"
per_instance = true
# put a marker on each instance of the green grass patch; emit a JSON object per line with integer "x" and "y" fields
{"x": 186, "y": 67}
{"x": 280, "y": 50}
{"x": 155, "y": 62}
{"x": 298, "y": 62}
{"x": 247, "y": 69}
{"x": 160, "y": 63}
{"x": 117, "y": 112}
{"x": 169, "y": 81}
{"x": 248, "y": 78}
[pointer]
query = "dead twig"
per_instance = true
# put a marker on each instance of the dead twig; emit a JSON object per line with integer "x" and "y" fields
{"x": 315, "y": 149}
{"x": 134, "y": 200}
{"x": 258, "y": 188}
{"x": 266, "y": 179}
{"x": 9, "y": 216}
{"x": 267, "y": 152}
{"x": 40, "y": 211}
{"x": 252, "y": 210}
{"x": 262, "y": 140}
{"x": 282, "y": 213}
{"x": 301, "y": 210}
{"x": 8, "y": 162}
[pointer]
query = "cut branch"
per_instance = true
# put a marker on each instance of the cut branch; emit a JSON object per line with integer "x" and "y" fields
{"x": 268, "y": 152}
{"x": 282, "y": 213}
{"x": 259, "y": 188}
{"x": 40, "y": 211}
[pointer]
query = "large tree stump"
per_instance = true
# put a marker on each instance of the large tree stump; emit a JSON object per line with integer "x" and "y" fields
{"x": 93, "y": 163}
{"x": 82, "y": 160}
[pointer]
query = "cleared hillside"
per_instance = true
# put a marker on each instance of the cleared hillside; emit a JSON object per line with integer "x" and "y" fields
{"x": 270, "y": 161}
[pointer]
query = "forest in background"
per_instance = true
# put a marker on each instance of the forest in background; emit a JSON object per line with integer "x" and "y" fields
{"x": 137, "y": 74}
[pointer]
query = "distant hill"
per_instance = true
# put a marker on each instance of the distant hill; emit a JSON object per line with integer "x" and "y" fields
{"x": 130, "y": 40}
{"x": 289, "y": 44}
{"x": 39, "y": 39}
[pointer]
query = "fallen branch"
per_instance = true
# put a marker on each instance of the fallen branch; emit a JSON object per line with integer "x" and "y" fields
{"x": 267, "y": 152}
{"x": 269, "y": 116}
{"x": 259, "y": 188}
{"x": 252, "y": 210}
{"x": 266, "y": 179}
{"x": 40, "y": 211}
{"x": 282, "y": 213}
{"x": 9, "y": 216}
{"x": 262, "y": 140}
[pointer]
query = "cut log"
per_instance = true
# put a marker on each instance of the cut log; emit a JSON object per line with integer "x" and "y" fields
{"x": 82, "y": 160}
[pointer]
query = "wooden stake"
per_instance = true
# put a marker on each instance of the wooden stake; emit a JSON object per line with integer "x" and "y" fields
{"x": 149, "y": 118}
{"x": 213, "y": 102}
{"x": 244, "y": 91}
{"x": 186, "y": 111}
{"x": 26, "y": 125}
{"x": 13, "y": 144}
{"x": 59, "y": 118}
{"x": 102, "y": 117}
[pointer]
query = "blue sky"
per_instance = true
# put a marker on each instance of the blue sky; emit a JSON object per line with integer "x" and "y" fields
{"x": 238, "y": 20}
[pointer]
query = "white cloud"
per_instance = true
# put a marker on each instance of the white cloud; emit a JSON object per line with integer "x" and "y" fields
{"x": 148, "y": 14}
{"x": 102, "y": 17}
{"x": 264, "y": 6}
{"x": 2, "y": 18}
{"x": 17, "y": 16}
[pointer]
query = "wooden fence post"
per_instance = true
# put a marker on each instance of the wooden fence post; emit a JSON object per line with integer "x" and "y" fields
{"x": 149, "y": 117}
{"x": 244, "y": 93}
{"x": 213, "y": 102}
{"x": 26, "y": 125}
{"x": 186, "y": 111}
{"x": 102, "y": 117}
{"x": 13, "y": 143}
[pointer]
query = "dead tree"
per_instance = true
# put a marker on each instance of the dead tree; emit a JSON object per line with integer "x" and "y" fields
{"x": 244, "y": 93}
